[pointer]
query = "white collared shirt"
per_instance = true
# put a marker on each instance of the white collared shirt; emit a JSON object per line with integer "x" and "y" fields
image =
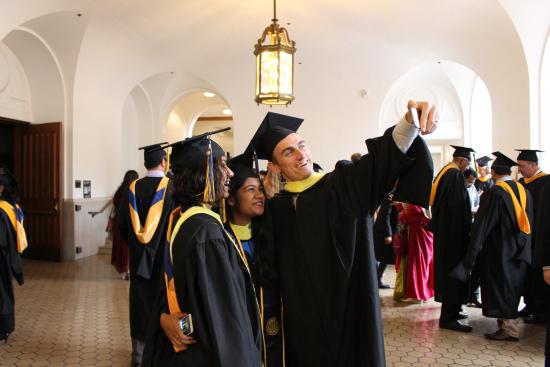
{"x": 155, "y": 173}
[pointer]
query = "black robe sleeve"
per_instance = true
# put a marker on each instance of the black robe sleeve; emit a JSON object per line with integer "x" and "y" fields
{"x": 361, "y": 186}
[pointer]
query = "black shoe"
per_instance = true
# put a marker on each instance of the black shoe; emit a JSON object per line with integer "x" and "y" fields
{"x": 501, "y": 335}
{"x": 383, "y": 286}
{"x": 462, "y": 316}
{"x": 456, "y": 326}
{"x": 4, "y": 337}
{"x": 474, "y": 303}
{"x": 535, "y": 319}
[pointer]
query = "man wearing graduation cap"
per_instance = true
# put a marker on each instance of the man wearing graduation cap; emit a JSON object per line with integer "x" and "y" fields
{"x": 500, "y": 241}
{"x": 324, "y": 250}
{"x": 143, "y": 227}
{"x": 451, "y": 222}
{"x": 533, "y": 179}
{"x": 484, "y": 181}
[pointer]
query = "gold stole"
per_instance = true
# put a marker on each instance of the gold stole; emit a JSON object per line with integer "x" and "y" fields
{"x": 438, "y": 178}
{"x": 519, "y": 205}
{"x": 15, "y": 215}
{"x": 145, "y": 234}
{"x": 302, "y": 185}
{"x": 533, "y": 178}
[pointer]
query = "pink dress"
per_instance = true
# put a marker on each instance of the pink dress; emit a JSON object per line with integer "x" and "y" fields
{"x": 419, "y": 282}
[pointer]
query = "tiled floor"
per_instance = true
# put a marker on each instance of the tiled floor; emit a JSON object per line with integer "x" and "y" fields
{"x": 76, "y": 314}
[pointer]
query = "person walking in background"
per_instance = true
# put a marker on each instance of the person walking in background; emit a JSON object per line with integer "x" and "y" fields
{"x": 450, "y": 224}
{"x": 119, "y": 256}
{"x": 419, "y": 281}
{"x": 473, "y": 193}
{"x": 500, "y": 241}
{"x": 484, "y": 182}
{"x": 533, "y": 178}
{"x": 13, "y": 242}
{"x": 143, "y": 225}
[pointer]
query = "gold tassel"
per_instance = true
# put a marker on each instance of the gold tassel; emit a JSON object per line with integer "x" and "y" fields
{"x": 208, "y": 196}
{"x": 222, "y": 211}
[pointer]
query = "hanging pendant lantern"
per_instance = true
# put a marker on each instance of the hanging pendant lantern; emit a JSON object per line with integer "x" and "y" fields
{"x": 274, "y": 65}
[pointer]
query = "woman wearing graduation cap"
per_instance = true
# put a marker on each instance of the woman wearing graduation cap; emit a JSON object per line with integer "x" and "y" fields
{"x": 247, "y": 224}
{"x": 13, "y": 241}
{"x": 206, "y": 275}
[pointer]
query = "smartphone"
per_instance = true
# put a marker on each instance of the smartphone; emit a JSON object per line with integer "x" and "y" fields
{"x": 186, "y": 325}
{"x": 414, "y": 115}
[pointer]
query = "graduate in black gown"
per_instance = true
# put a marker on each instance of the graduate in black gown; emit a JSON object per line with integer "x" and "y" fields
{"x": 247, "y": 223}
{"x": 541, "y": 257}
{"x": 483, "y": 182}
{"x": 533, "y": 179}
{"x": 385, "y": 226}
{"x": 206, "y": 275}
{"x": 324, "y": 247}
{"x": 501, "y": 242}
{"x": 13, "y": 242}
{"x": 144, "y": 219}
{"x": 450, "y": 224}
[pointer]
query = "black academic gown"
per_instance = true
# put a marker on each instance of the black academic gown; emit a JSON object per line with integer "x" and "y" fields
{"x": 145, "y": 259}
{"x": 534, "y": 285}
{"x": 542, "y": 249}
{"x": 214, "y": 286}
{"x": 10, "y": 268}
{"x": 504, "y": 253}
{"x": 385, "y": 226}
{"x": 327, "y": 269}
{"x": 450, "y": 224}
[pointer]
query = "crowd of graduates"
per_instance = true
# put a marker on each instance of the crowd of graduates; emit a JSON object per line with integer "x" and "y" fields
{"x": 230, "y": 268}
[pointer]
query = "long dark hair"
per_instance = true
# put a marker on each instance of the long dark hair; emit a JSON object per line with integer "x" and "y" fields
{"x": 264, "y": 254}
{"x": 188, "y": 184}
{"x": 11, "y": 188}
{"x": 129, "y": 177}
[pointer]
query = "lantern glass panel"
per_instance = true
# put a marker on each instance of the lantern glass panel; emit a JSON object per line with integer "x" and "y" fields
{"x": 269, "y": 73}
{"x": 285, "y": 80}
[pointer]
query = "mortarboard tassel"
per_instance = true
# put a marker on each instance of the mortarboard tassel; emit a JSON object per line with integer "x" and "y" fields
{"x": 209, "y": 189}
{"x": 222, "y": 210}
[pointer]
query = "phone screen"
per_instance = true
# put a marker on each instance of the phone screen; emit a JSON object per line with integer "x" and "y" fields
{"x": 186, "y": 325}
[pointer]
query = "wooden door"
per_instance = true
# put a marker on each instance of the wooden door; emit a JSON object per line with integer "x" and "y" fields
{"x": 38, "y": 162}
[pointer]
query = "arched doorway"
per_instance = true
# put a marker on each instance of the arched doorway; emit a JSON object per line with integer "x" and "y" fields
{"x": 463, "y": 101}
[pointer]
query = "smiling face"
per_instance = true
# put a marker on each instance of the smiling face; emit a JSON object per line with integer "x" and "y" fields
{"x": 249, "y": 201}
{"x": 292, "y": 158}
{"x": 226, "y": 175}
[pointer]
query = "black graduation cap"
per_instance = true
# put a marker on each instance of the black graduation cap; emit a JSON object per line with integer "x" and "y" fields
{"x": 241, "y": 166}
{"x": 463, "y": 152}
{"x": 192, "y": 152}
{"x": 274, "y": 128}
{"x": 153, "y": 153}
{"x": 483, "y": 161}
{"x": 528, "y": 155}
{"x": 503, "y": 161}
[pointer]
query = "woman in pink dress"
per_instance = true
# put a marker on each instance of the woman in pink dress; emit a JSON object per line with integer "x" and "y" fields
{"x": 419, "y": 283}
